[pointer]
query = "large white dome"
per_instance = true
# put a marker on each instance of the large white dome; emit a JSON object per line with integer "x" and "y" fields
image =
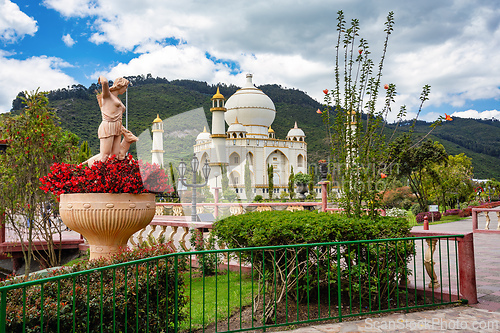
{"x": 252, "y": 108}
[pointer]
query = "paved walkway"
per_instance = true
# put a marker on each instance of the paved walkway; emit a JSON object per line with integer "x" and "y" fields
{"x": 481, "y": 317}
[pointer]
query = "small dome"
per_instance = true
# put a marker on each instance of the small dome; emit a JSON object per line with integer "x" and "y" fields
{"x": 217, "y": 95}
{"x": 203, "y": 136}
{"x": 157, "y": 120}
{"x": 270, "y": 130}
{"x": 295, "y": 132}
{"x": 236, "y": 127}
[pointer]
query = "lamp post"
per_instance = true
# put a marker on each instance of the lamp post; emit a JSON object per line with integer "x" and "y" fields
{"x": 216, "y": 195}
{"x": 182, "y": 171}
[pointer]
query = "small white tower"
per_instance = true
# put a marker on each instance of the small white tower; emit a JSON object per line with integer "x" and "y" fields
{"x": 157, "y": 150}
{"x": 218, "y": 109}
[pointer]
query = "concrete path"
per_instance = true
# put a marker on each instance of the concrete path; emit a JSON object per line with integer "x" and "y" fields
{"x": 481, "y": 317}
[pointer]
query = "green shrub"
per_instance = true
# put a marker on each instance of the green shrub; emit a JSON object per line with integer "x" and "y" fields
{"x": 367, "y": 262}
{"x": 415, "y": 209}
{"x": 138, "y": 296}
{"x": 207, "y": 261}
{"x": 258, "y": 198}
{"x": 302, "y": 178}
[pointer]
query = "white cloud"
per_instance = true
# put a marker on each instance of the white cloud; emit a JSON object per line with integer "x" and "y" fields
{"x": 14, "y": 24}
{"x": 36, "y": 72}
{"x": 72, "y": 8}
{"x": 477, "y": 114}
{"x": 68, "y": 40}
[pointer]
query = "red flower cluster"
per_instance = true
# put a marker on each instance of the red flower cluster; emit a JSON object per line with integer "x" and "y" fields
{"x": 154, "y": 178}
{"x": 112, "y": 176}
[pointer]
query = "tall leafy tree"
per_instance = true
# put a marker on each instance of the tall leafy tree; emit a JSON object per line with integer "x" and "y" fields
{"x": 36, "y": 140}
{"x": 415, "y": 162}
{"x": 450, "y": 181}
{"x": 85, "y": 153}
{"x": 270, "y": 180}
{"x": 248, "y": 182}
{"x": 291, "y": 183}
{"x": 311, "y": 183}
{"x": 227, "y": 192}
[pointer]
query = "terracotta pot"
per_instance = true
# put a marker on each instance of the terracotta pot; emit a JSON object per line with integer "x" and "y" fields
{"x": 107, "y": 220}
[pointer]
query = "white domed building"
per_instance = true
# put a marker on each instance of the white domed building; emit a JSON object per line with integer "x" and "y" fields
{"x": 249, "y": 114}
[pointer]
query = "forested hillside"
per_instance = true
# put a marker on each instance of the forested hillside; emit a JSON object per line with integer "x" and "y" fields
{"x": 147, "y": 96}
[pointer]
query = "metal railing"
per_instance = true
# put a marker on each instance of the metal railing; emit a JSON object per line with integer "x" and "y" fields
{"x": 265, "y": 287}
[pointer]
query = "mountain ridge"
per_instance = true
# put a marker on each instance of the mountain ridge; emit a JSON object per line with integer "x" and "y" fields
{"x": 79, "y": 112}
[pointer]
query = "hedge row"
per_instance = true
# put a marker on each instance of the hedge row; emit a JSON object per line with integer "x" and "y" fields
{"x": 136, "y": 298}
{"x": 369, "y": 272}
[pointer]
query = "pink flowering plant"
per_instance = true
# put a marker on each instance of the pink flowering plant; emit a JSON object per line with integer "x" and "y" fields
{"x": 112, "y": 176}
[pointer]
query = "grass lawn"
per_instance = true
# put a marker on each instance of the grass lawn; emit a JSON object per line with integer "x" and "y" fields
{"x": 444, "y": 219}
{"x": 213, "y": 292}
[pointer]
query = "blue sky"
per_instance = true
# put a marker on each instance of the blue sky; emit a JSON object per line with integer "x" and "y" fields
{"x": 452, "y": 45}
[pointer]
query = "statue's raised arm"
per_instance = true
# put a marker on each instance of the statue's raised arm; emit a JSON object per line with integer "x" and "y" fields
{"x": 111, "y": 128}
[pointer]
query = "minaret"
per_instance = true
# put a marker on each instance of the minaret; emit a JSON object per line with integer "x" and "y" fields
{"x": 157, "y": 150}
{"x": 218, "y": 133}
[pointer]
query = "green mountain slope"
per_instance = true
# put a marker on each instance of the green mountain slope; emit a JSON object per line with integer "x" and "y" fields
{"x": 148, "y": 96}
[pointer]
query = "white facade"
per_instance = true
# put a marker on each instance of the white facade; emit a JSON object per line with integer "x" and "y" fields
{"x": 249, "y": 113}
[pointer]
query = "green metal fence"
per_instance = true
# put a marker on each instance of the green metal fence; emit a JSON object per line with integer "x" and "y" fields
{"x": 265, "y": 287}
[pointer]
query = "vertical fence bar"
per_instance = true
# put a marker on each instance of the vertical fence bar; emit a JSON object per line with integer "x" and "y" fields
{"x": 339, "y": 287}
{"x": 114, "y": 299}
{"x": 3, "y": 311}
{"x": 349, "y": 272}
{"x": 147, "y": 295}
{"x": 190, "y": 292}
{"x": 423, "y": 266}
{"x": 329, "y": 249}
{"x": 379, "y": 296}
{"x": 397, "y": 272}
{"x": 307, "y": 272}
{"x": 440, "y": 270}
{"x": 241, "y": 290}
{"x": 406, "y": 274}
{"x": 369, "y": 278}
{"x": 387, "y": 275}
{"x": 286, "y": 284}
{"x": 297, "y": 282}
{"x": 318, "y": 283}
{"x": 176, "y": 294}
{"x": 253, "y": 296}
{"x": 228, "y": 295}
{"x": 359, "y": 261}
{"x": 275, "y": 288}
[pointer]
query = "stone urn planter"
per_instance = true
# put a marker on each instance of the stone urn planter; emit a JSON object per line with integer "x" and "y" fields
{"x": 107, "y": 220}
{"x": 301, "y": 189}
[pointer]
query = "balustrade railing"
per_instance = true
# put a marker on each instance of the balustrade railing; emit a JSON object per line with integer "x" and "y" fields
{"x": 475, "y": 223}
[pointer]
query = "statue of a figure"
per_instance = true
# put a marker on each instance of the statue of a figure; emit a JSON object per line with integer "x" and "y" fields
{"x": 111, "y": 128}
